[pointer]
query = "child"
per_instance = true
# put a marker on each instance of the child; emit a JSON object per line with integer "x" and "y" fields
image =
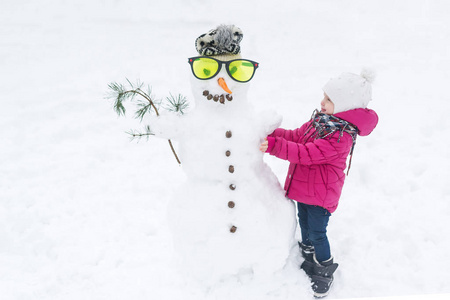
{"x": 317, "y": 153}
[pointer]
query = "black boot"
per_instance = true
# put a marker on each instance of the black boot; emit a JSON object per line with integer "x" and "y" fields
{"x": 308, "y": 255}
{"x": 322, "y": 277}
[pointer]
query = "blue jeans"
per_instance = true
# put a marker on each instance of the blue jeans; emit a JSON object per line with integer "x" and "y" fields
{"x": 313, "y": 222}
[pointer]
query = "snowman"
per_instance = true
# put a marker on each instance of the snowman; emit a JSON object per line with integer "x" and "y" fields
{"x": 230, "y": 217}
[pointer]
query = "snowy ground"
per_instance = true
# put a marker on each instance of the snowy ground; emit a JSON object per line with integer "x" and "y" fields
{"x": 82, "y": 210}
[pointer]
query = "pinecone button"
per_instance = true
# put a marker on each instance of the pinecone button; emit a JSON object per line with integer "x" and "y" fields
{"x": 233, "y": 229}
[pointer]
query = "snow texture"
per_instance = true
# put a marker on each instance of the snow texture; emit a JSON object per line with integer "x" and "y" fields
{"x": 83, "y": 212}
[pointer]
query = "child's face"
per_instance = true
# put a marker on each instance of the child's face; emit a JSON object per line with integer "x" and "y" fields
{"x": 326, "y": 105}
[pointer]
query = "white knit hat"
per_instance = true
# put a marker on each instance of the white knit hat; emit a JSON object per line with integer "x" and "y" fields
{"x": 350, "y": 91}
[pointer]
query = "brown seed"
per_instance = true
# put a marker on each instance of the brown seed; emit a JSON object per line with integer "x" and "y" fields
{"x": 232, "y": 187}
{"x": 231, "y": 204}
{"x": 233, "y": 229}
{"x": 209, "y": 97}
{"x": 222, "y": 99}
{"x": 228, "y": 134}
{"x": 231, "y": 169}
{"x": 216, "y": 98}
{"x": 228, "y": 153}
{"x": 229, "y": 97}
{"x": 205, "y": 93}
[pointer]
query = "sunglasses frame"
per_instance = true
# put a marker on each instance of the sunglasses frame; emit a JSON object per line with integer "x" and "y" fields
{"x": 226, "y": 63}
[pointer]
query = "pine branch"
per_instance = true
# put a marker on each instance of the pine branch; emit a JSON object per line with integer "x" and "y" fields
{"x": 119, "y": 94}
{"x": 139, "y": 135}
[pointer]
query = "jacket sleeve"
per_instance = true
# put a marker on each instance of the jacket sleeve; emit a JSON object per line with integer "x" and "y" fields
{"x": 290, "y": 135}
{"x": 320, "y": 151}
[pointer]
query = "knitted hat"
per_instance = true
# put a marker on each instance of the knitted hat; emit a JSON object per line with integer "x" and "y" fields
{"x": 350, "y": 91}
{"x": 222, "y": 42}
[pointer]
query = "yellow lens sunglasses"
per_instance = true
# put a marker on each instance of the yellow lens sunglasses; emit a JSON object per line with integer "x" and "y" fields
{"x": 205, "y": 67}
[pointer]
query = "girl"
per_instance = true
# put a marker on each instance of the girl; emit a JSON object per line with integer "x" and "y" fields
{"x": 317, "y": 153}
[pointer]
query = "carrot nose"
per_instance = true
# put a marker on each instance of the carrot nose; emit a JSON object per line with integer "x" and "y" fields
{"x": 223, "y": 85}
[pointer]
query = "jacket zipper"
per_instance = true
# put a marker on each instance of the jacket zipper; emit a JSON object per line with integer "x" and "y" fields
{"x": 291, "y": 176}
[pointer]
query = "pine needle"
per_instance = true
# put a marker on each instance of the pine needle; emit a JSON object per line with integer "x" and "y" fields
{"x": 177, "y": 104}
{"x": 143, "y": 110}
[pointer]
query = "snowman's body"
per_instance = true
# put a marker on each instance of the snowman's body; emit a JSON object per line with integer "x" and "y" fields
{"x": 230, "y": 217}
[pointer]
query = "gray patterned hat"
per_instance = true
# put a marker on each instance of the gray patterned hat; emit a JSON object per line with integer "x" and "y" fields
{"x": 224, "y": 40}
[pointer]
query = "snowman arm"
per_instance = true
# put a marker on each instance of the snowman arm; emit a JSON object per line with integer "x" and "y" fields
{"x": 320, "y": 151}
{"x": 268, "y": 121}
{"x": 168, "y": 126}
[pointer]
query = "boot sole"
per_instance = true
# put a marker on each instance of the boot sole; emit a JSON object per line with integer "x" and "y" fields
{"x": 322, "y": 295}
{"x": 328, "y": 281}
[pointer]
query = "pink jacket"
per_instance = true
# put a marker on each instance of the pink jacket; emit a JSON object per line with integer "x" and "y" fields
{"x": 316, "y": 173}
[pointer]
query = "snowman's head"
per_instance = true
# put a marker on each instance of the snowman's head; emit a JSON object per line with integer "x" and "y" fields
{"x": 220, "y": 75}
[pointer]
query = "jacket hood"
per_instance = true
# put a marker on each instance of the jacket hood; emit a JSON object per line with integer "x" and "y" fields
{"x": 365, "y": 119}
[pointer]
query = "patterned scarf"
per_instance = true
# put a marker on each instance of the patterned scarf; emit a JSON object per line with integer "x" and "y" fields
{"x": 327, "y": 125}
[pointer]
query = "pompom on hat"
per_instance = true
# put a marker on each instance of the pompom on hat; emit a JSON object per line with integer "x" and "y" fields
{"x": 350, "y": 91}
{"x": 222, "y": 42}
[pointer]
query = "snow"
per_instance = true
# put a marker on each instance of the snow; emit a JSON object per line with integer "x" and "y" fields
{"x": 83, "y": 210}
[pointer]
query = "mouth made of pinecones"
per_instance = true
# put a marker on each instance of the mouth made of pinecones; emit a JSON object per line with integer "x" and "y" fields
{"x": 217, "y": 98}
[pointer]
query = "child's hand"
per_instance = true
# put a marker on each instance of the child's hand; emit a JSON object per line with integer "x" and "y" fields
{"x": 264, "y": 146}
